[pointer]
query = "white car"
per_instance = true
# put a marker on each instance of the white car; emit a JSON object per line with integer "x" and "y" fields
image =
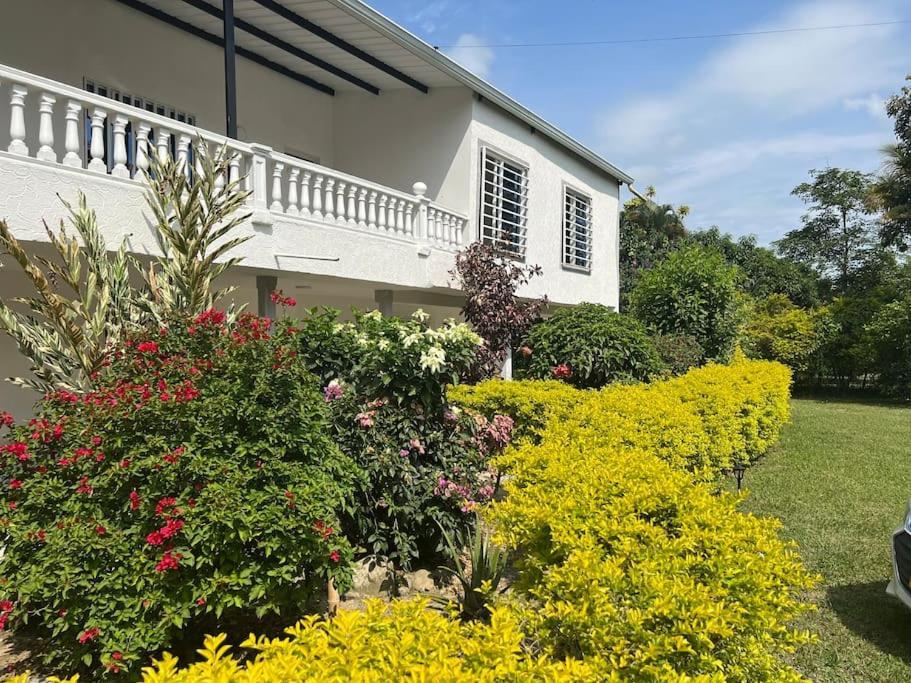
{"x": 900, "y": 585}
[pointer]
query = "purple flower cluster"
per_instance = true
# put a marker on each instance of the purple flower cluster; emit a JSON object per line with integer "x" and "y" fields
{"x": 469, "y": 500}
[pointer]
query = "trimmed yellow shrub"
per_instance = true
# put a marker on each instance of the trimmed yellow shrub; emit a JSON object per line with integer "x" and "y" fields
{"x": 532, "y": 404}
{"x": 404, "y": 642}
{"x": 623, "y": 557}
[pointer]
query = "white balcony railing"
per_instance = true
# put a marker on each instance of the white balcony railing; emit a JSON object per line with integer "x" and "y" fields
{"x": 103, "y": 136}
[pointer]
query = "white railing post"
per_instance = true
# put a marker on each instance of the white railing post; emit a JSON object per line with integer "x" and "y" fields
{"x": 17, "y": 120}
{"x": 183, "y": 154}
{"x": 329, "y": 200}
{"x": 340, "y": 201}
{"x": 381, "y": 218}
{"x": 71, "y": 135}
{"x": 318, "y": 196}
{"x": 46, "y": 128}
{"x": 293, "y": 175}
{"x": 371, "y": 210}
{"x": 305, "y": 194}
{"x": 420, "y": 229}
{"x": 120, "y": 147}
{"x": 362, "y": 207}
{"x": 278, "y": 170}
{"x": 352, "y": 205}
{"x": 142, "y": 149}
{"x": 96, "y": 148}
{"x": 259, "y": 180}
{"x": 163, "y": 145}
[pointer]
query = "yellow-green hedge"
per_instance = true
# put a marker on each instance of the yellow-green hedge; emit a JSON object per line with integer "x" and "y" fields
{"x": 629, "y": 567}
{"x": 704, "y": 421}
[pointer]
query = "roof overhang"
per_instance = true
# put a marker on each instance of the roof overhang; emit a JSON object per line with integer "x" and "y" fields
{"x": 338, "y": 45}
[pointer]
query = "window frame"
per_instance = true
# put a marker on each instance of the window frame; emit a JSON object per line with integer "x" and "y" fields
{"x": 493, "y": 239}
{"x": 565, "y": 236}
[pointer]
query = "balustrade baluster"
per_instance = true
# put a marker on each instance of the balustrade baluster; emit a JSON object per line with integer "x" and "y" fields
{"x": 362, "y": 207}
{"x": 329, "y": 200}
{"x": 352, "y": 207}
{"x": 96, "y": 148}
{"x": 305, "y": 194}
{"x": 120, "y": 147}
{"x": 277, "y": 170}
{"x": 381, "y": 215}
{"x": 400, "y": 217}
{"x": 46, "y": 128}
{"x": 142, "y": 149}
{"x": 183, "y": 154}
{"x": 17, "y": 120}
{"x": 318, "y": 196}
{"x": 163, "y": 146}
{"x": 340, "y": 202}
{"x": 234, "y": 167}
{"x": 409, "y": 219}
{"x": 220, "y": 179}
{"x": 432, "y": 224}
{"x": 371, "y": 211}
{"x": 71, "y": 135}
{"x": 292, "y": 192}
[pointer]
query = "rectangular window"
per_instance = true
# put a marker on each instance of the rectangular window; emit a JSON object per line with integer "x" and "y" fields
{"x": 504, "y": 203}
{"x": 577, "y": 230}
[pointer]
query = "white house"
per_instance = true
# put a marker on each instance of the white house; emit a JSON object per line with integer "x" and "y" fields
{"x": 371, "y": 157}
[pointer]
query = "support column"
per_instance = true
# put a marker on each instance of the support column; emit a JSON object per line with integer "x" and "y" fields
{"x": 265, "y": 285}
{"x": 384, "y": 299}
{"x": 230, "y": 73}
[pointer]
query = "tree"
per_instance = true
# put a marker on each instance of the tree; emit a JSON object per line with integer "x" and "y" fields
{"x": 648, "y": 233}
{"x": 892, "y": 191}
{"x": 763, "y": 273}
{"x": 838, "y": 234}
{"x": 489, "y": 280}
{"x": 694, "y": 291}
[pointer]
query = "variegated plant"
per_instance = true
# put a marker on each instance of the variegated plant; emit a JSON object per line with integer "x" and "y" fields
{"x": 85, "y": 298}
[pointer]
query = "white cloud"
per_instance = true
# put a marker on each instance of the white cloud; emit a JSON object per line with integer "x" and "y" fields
{"x": 478, "y": 60}
{"x": 735, "y": 135}
{"x": 873, "y": 104}
{"x": 428, "y": 17}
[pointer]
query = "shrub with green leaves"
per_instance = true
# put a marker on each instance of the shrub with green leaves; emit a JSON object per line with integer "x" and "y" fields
{"x": 588, "y": 346}
{"x": 889, "y": 334}
{"x": 693, "y": 291}
{"x": 197, "y": 487}
{"x": 678, "y": 352}
{"x": 779, "y": 330}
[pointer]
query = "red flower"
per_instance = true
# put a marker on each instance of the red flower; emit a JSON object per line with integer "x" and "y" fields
{"x": 168, "y": 562}
{"x": 147, "y": 347}
{"x": 17, "y": 448}
{"x": 562, "y": 371}
{"x": 42, "y": 534}
{"x": 125, "y": 463}
{"x": 15, "y": 484}
{"x": 323, "y": 529}
{"x": 62, "y": 612}
{"x": 155, "y": 538}
{"x": 84, "y": 486}
{"x": 88, "y": 634}
{"x": 96, "y": 440}
{"x": 42, "y": 469}
{"x": 200, "y": 601}
{"x": 282, "y": 300}
{"x": 12, "y": 505}
{"x": 117, "y": 655}
{"x": 335, "y": 556}
{"x": 162, "y": 506}
{"x": 6, "y": 420}
{"x": 210, "y": 317}
{"x": 134, "y": 500}
{"x": 100, "y": 530}
{"x": 6, "y": 606}
{"x": 3, "y": 620}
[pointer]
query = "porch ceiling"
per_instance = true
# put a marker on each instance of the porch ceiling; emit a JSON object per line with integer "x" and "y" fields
{"x": 326, "y": 15}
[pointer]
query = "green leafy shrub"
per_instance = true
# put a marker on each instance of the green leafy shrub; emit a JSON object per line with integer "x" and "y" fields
{"x": 889, "y": 334}
{"x": 588, "y": 345}
{"x": 197, "y": 487}
{"x": 678, "y": 352}
{"x": 425, "y": 466}
{"x": 694, "y": 292}
{"x": 779, "y": 330}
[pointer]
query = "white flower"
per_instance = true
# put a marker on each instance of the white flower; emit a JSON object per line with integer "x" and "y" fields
{"x": 383, "y": 344}
{"x": 420, "y": 315}
{"x": 433, "y": 358}
{"x": 362, "y": 340}
{"x": 411, "y": 339}
{"x": 374, "y": 315}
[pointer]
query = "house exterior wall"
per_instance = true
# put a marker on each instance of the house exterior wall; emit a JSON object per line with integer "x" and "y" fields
{"x": 68, "y": 40}
{"x": 405, "y": 136}
{"x": 550, "y": 168}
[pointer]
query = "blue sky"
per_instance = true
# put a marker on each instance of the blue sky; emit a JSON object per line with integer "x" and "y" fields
{"x": 728, "y": 126}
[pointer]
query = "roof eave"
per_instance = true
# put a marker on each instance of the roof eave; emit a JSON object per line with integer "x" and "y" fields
{"x": 421, "y": 49}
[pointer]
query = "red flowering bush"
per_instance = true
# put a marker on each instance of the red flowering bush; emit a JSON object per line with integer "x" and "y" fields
{"x": 195, "y": 489}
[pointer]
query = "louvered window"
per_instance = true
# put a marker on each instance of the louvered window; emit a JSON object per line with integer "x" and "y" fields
{"x": 577, "y": 230}
{"x": 504, "y": 204}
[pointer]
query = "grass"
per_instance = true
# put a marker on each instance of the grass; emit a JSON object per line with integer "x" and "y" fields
{"x": 839, "y": 481}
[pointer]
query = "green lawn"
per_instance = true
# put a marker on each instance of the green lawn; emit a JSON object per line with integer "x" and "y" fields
{"x": 839, "y": 481}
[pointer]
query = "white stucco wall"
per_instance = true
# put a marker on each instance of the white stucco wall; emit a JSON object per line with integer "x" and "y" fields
{"x": 68, "y": 40}
{"x": 404, "y": 136}
{"x": 550, "y": 167}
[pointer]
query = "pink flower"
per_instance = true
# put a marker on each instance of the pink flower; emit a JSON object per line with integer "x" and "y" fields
{"x": 100, "y": 530}
{"x": 15, "y": 484}
{"x": 87, "y": 635}
{"x": 335, "y": 556}
{"x": 404, "y": 452}
{"x": 562, "y": 371}
{"x": 147, "y": 347}
{"x": 365, "y": 420}
{"x": 332, "y": 391}
{"x": 169, "y": 561}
